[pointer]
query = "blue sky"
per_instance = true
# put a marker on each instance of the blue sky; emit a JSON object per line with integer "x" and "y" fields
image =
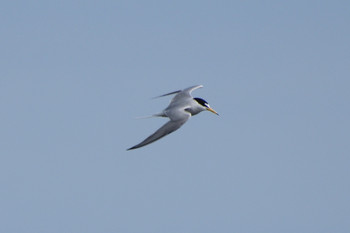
{"x": 75, "y": 74}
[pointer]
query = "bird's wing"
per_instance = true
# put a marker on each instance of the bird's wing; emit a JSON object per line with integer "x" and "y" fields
{"x": 166, "y": 129}
{"x": 185, "y": 93}
{"x": 171, "y": 93}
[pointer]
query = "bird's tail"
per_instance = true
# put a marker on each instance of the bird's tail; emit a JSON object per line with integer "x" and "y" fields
{"x": 151, "y": 116}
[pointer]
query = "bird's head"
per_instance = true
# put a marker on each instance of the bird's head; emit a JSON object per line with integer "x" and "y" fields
{"x": 205, "y": 105}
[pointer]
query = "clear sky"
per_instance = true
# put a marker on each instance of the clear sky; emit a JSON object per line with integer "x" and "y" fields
{"x": 75, "y": 74}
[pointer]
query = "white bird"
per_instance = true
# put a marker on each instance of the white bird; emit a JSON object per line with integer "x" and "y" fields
{"x": 180, "y": 109}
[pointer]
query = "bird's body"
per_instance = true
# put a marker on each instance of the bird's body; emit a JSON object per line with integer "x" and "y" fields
{"x": 180, "y": 109}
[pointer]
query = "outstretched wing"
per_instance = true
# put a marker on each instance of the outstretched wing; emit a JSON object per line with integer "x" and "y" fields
{"x": 182, "y": 93}
{"x": 171, "y": 93}
{"x": 166, "y": 129}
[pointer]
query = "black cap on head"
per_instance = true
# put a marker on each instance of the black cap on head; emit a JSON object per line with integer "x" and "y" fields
{"x": 202, "y": 102}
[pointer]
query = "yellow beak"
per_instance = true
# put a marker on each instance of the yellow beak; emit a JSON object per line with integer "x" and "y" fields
{"x": 213, "y": 111}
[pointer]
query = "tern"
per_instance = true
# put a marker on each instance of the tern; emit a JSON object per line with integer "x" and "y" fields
{"x": 181, "y": 108}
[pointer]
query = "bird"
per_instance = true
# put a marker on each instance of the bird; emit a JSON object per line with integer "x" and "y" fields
{"x": 182, "y": 106}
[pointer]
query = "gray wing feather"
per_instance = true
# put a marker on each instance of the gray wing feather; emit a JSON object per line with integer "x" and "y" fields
{"x": 185, "y": 93}
{"x": 166, "y": 129}
{"x": 171, "y": 93}
{"x": 182, "y": 93}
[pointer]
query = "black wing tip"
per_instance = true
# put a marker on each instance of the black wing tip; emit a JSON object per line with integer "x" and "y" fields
{"x": 171, "y": 93}
{"x": 132, "y": 148}
{"x": 135, "y": 147}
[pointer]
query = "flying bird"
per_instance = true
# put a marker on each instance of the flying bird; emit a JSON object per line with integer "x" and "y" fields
{"x": 181, "y": 108}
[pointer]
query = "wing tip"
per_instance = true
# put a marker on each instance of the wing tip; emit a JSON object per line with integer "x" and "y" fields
{"x": 171, "y": 93}
{"x": 195, "y": 87}
{"x": 132, "y": 148}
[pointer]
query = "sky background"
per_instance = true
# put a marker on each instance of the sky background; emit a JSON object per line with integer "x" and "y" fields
{"x": 75, "y": 74}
